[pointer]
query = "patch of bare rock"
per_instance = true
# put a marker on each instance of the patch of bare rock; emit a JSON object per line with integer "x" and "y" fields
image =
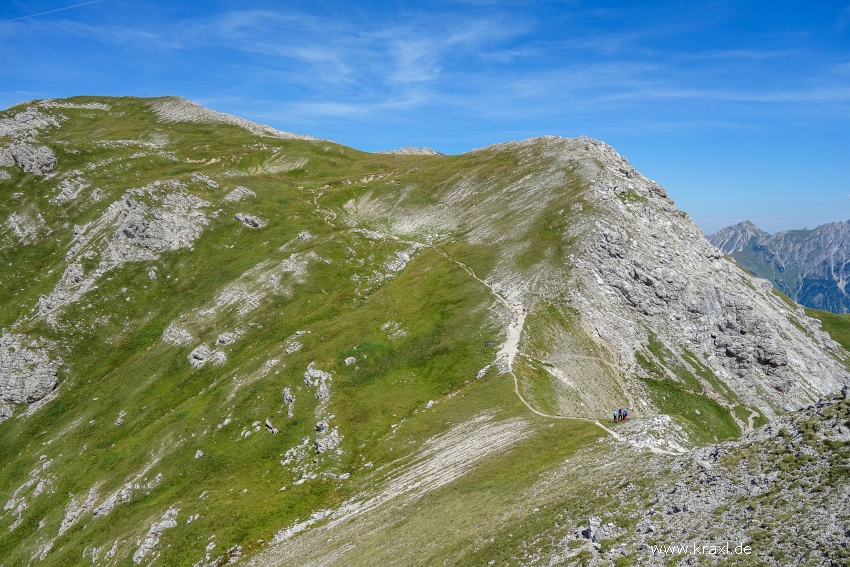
{"x": 250, "y": 221}
{"x": 26, "y": 124}
{"x": 142, "y": 224}
{"x": 239, "y": 193}
{"x": 152, "y": 538}
{"x": 203, "y": 354}
{"x": 39, "y": 160}
{"x": 27, "y": 373}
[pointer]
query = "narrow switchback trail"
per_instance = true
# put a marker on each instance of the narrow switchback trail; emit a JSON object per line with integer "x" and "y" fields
{"x": 510, "y": 348}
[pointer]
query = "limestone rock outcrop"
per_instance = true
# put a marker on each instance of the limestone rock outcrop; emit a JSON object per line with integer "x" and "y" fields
{"x": 141, "y": 225}
{"x": 39, "y": 160}
{"x": 27, "y": 373}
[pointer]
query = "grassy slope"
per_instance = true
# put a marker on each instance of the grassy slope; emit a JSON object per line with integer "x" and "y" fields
{"x": 171, "y": 410}
{"x": 838, "y": 326}
{"x": 125, "y": 366}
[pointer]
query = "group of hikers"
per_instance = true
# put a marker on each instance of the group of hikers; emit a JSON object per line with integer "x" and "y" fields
{"x": 621, "y": 414}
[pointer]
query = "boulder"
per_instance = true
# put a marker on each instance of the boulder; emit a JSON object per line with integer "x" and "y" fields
{"x": 39, "y": 160}
{"x": 250, "y": 220}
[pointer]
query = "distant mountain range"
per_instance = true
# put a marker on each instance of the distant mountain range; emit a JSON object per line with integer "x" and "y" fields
{"x": 810, "y": 266}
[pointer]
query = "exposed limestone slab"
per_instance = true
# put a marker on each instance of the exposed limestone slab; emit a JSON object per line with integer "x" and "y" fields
{"x": 26, "y": 124}
{"x": 239, "y": 193}
{"x": 26, "y": 226}
{"x": 39, "y": 160}
{"x": 250, "y": 221}
{"x": 27, "y": 373}
{"x": 140, "y": 226}
{"x": 177, "y": 336}
{"x": 151, "y": 540}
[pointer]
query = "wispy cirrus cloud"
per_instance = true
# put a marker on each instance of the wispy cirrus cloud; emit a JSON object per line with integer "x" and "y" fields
{"x": 689, "y": 77}
{"x": 493, "y": 64}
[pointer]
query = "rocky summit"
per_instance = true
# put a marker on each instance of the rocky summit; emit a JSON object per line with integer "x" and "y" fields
{"x": 807, "y": 265}
{"x": 225, "y": 343}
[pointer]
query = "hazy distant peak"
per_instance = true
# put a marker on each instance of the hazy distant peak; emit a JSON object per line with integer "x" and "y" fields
{"x": 736, "y": 237}
{"x": 411, "y": 150}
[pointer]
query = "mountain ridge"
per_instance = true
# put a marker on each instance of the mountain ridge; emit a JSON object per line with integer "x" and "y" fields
{"x": 239, "y": 339}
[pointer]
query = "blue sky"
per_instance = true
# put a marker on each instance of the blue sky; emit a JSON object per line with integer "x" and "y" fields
{"x": 741, "y": 109}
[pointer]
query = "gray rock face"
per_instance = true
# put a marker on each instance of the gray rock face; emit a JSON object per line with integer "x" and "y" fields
{"x": 203, "y": 354}
{"x": 807, "y": 265}
{"x": 76, "y": 508}
{"x": 137, "y": 228}
{"x": 597, "y": 531}
{"x": 289, "y": 400}
{"x": 25, "y": 125}
{"x": 69, "y": 189}
{"x": 177, "y": 336}
{"x": 270, "y": 427}
{"x": 294, "y": 347}
{"x": 168, "y": 521}
{"x": 39, "y": 160}
{"x": 27, "y": 373}
{"x": 328, "y": 440}
{"x": 680, "y": 286}
{"x": 250, "y": 220}
{"x": 143, "y": 226}
{"x": 26, "y": 226}
{"x": 226, "y": 338}
{"x": 6, "y": 411}
{"x": 6, "y": 159}
{"x": 313, "y": 376}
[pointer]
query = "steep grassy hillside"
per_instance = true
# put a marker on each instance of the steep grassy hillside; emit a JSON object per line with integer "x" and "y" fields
{"x": 837, "y": 325}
